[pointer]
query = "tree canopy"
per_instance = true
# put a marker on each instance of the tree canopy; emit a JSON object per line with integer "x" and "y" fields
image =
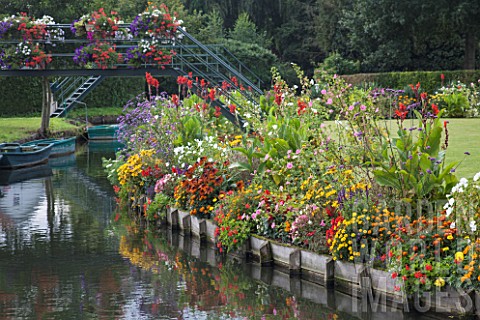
{"x": 383, "y": 35}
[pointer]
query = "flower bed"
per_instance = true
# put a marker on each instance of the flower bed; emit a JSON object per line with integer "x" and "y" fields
{"x": 386, "y": 207}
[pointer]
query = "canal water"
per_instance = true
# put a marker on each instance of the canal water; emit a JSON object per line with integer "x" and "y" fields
{"x": 64, "y": 254}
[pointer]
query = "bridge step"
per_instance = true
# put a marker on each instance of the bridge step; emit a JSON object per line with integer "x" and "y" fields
{"x": 77, "y": 95}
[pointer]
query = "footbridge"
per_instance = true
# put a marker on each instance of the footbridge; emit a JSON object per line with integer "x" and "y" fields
{"x": 187, "y": 56}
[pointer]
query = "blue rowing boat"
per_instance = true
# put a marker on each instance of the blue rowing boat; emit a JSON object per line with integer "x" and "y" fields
{"x": 15, "y": 155}
{"x": 60, "y": 147}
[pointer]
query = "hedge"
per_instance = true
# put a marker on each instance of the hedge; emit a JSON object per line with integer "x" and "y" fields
{"x": 430, "y": 80}
{"x": 22, "y": 96}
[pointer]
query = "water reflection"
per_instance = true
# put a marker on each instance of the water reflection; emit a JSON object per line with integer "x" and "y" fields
{"x": 62, "y": 257}
{"x": 190, "y": 280}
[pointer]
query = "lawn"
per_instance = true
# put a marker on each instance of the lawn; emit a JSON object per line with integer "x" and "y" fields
{"x": 463, "y": 136}
{"x": 13, "y": 129}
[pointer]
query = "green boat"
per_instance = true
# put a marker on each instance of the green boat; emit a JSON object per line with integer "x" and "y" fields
{"x": 60, "y": 147}
{"x": 16, "y": 156}
{"x": 103, "y": 132}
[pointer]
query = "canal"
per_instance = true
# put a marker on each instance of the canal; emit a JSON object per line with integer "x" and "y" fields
{"x": 64, "y": 254}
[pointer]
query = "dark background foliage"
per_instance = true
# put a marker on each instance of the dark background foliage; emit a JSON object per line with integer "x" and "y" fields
{"x": 356, "y": 35}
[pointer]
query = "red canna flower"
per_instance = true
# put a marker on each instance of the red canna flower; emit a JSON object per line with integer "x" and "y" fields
{"x": 217, "y": 112}
{"x": 211, "y": 95}
{"x": 175, "y": 99}
{"x": 302, "y": 106}
{"x": 435, "y": 109}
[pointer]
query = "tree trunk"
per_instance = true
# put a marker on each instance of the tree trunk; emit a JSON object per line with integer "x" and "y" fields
{"x": 470, "y": 50}
{"x": 46, "y": 102}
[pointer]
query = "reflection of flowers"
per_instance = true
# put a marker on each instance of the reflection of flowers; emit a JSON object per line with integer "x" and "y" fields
{"x": 97, "y": 55}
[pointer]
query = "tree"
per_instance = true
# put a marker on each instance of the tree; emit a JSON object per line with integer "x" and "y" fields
{"x": 246, "y": 31}
{"x": 212, "y": 31}
{"x": 47, "y": 99}
{"x": 465, "y": 15}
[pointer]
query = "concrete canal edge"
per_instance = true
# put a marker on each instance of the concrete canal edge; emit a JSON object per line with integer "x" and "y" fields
{"x": 358, "y": 281}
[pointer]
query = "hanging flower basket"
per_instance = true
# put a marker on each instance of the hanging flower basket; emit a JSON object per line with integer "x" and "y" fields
{"x": 22, "y": 28}
{"x": 97, "y": 55}
{"x": 97, "y": 25}
{"x": 155, "y": 23}
{"x": 24, "y": 55}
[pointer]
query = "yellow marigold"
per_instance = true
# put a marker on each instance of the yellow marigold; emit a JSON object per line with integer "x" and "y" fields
{"x": 459, "y": 256}
{"x": 440, "y": 282}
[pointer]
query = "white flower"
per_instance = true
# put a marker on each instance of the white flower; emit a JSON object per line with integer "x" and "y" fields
{"x": 452, "y": 225}
{"x": 476, "y": 177}
{"x": 449, "y": 211}
{"x": 446, "y": 206}
{"x": 473, "y": 226}
{"x": 451, "y": 201}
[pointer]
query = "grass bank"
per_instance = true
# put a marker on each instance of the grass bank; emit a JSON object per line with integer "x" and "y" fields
{"x": 79, "y": 112}
{"x": 463, "y": 143}
{"x": 16, "y": 129}
{"x": 464, "y": 135}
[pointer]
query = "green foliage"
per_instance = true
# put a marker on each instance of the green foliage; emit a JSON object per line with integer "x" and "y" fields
{"x": 246, "y": 31}
{"x": 259, "y": 59}
{"x": 156, "y": 208}
{"x": 336, "y": 64}
{"x": 211, "y": 30}
{"x": 22, "y": 96}
{"x": 189, "y": 129}
{"x": 430, "y": 80}
{"x": 456, "y": 104}
{"x": 413, "y": 164}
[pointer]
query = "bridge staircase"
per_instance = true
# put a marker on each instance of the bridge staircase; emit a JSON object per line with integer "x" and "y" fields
{"x": 69, "y": 91}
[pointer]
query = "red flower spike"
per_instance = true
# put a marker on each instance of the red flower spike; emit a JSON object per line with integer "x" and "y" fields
{"x": 211, "y": 95}
{"x": 217, "y": 112}
{"x": 175, "y": 99}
